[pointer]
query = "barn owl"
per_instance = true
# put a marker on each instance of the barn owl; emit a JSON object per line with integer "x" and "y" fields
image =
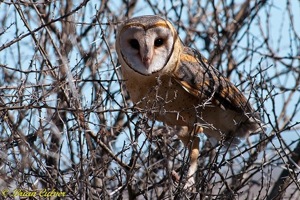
{"x": 175, "y": 85}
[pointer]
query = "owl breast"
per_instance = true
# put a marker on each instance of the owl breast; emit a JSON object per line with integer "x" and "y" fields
{"x": 163, "y": 99}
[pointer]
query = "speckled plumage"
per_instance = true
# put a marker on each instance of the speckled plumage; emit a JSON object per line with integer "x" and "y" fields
{"x": 178, "y": 86}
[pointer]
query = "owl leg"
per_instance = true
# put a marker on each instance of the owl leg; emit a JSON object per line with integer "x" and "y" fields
{"x": 192, "y": 143}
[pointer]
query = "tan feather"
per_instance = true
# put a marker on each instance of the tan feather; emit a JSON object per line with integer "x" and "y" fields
{"x": 202, "y": 80}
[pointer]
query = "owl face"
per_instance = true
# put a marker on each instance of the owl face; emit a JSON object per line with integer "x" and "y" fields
{"x": 145, "y": 44}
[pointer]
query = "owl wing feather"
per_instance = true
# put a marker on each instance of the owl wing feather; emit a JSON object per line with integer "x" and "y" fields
{"x": 204, "y": 81}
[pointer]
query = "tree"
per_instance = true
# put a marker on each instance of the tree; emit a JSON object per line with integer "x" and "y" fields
{"x": 68, "y": 126}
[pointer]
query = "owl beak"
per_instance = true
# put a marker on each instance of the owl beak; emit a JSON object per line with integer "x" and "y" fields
{"x": 147, "y": 58}
{"x": 147, "y": 61}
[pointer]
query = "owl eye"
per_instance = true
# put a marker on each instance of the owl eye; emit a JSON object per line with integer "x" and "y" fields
{"x": 134, "y": 44}
{"x": 158, "y": 42}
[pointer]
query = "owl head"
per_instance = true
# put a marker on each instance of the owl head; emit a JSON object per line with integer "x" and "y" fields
{"x": 146, "y": 44}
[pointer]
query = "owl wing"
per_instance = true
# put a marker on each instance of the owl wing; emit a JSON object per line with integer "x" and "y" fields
{"x": 204, "y": 81}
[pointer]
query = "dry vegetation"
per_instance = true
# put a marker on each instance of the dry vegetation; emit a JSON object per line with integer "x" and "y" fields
{"x": 67, "y": 124}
